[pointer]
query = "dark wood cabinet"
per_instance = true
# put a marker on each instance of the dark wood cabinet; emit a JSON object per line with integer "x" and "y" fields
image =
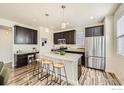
{"x": 56, "y": 37}
{"x": 34, "y": 35}
{"x": 24, "y": 35}
{"x": 69, "y": 36}
{"x": 28, "y": 36}
{"x": 19, "y": 35}
{"x": 94, "y": 31}
{"x": 21, "y": 60}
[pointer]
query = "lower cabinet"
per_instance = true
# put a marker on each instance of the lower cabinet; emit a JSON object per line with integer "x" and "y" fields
{"x": 21, "y": 60}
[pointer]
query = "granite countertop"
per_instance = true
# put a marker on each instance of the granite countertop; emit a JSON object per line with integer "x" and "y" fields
{"x": 67, "y": 56}
{"x": 26, "y": 52}
{"x": 76, "y": 49}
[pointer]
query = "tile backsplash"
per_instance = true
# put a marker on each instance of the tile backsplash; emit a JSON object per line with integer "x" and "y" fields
{"x": 25, "y": 47}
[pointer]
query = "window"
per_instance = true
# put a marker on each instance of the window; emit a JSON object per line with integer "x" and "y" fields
{"x": 120, "y": 35}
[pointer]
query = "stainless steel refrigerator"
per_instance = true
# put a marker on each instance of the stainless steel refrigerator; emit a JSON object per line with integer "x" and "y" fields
{"x": 94, "y": 48}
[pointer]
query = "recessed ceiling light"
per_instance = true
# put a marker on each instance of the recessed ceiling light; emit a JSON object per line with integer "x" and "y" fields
{"x": 91, "y": 17}
{"x": 7, "y": 32}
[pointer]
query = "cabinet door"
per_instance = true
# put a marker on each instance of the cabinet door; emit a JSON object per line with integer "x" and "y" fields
{"x": 34, "y": 39}
{"x": 19, "y": 37}
{"x": 66, "y": 36}
{"x": 28, "y": 36}
{"x": 71, "y": 37}
{"x": 98, "y": 31}
{"x": 56, "y": 37}
{"x": 89, "y": 32}
{"x": 94, "y": 31}
{"x": 21, "y": 60}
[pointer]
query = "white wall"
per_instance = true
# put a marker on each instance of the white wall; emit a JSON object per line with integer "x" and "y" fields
{"x": 49, "y": 36}
{"x": 109, "y": 39}
{"x": 5, "y": 45}
{"x": 114, "y": 62}
{"x": 118, "y": 60}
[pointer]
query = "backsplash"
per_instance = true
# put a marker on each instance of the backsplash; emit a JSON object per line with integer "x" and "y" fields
{"x": 25, "y": 47}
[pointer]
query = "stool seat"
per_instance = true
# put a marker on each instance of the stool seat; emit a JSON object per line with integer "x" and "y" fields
{"x": 47, "y": 62}
{"x": 59, "y": 65}
{"x": 38, "y": 59}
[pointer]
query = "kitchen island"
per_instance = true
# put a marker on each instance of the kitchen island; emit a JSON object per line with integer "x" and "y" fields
{"x": 71, "y": 62}
{"x": 78, "y": 51}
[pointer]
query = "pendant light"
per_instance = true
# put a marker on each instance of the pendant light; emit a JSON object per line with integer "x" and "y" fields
{"x": 63, "y": 25}
{"x": 46, "y": 29}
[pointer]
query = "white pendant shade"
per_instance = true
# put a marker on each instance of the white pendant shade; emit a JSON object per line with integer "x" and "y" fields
{"x": 63, "y": 25}
{"x": 46, "y": 29}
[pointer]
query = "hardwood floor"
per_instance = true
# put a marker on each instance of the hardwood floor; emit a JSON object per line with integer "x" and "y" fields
{"x": 97, "y": 77}
{"x": 24, "y": 76}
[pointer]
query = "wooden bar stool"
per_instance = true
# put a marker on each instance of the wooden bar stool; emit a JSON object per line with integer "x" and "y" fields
{"x": 36, "y": 66}
{"x": 60, "y": 66}
{"x": 46, "y": 63}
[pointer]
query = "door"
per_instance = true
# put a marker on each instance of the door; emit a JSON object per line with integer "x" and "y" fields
{"x": 5, "y": 45}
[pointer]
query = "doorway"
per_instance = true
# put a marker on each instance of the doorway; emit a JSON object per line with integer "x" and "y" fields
{"x": 5, "y": 44}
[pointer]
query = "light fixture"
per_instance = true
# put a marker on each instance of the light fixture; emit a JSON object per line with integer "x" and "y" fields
{"x": 91, "y": 17}
{"x": 63, "y": 25}
{"x": 47, "y": 29}
{"x": 7, "y": 32}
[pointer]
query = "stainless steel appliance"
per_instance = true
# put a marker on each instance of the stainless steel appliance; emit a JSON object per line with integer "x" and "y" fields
{"x": 94, "y": 48}
{"x": 61, "y": 41}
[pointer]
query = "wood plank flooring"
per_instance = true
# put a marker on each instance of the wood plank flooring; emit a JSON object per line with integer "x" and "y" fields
{"x": 97, "y": 77}
{"x": 24, "y": 76}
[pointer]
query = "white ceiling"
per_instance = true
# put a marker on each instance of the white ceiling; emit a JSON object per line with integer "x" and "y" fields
{"x": 75, "y": 14}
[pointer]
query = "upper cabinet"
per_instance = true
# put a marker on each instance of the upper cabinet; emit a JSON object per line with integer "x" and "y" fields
{"x": 69, "y": 37}
{"x": 24, "y": 35}
{"x": 94, "y": 31}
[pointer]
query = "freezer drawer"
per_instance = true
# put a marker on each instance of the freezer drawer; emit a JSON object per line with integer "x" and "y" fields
{"x": 96, "y": 62}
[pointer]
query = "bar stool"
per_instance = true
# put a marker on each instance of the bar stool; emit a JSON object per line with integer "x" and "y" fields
{"x": 35, "y": 65}
{"x": 59, "y": 66}
{"x": 46, "y": 63}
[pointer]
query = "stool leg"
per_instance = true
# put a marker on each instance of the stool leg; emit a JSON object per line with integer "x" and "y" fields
{"x": 47, "y": 72}
{"x": 60, "y": 76}
{"x": 52, "y": 73}
{"x": 65, "y": 75}
{"x": 38, "y": 69}
{"x": 34, "y": 68}
{"x": 41, "y": 69}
